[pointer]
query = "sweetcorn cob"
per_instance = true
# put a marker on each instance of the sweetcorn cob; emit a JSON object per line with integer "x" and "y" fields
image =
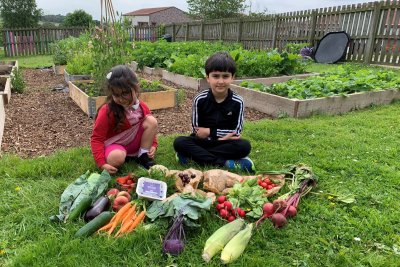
{"x": 216, "y": 242}
{"x": 236, "y": 245}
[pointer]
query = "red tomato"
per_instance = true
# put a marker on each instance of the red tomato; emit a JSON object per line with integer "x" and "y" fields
{"x": 259, "y": 181}
{"x": 268, "y": 181}
{"x": 270, "y": 186}
{"x": 220, "y": 206}
{"x": 264, "y": 184}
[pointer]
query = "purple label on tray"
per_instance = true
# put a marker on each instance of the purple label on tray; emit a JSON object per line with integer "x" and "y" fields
{"x": 152, "y": 188}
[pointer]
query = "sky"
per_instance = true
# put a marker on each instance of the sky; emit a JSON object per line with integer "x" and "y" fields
{"x": 93, "y": 7}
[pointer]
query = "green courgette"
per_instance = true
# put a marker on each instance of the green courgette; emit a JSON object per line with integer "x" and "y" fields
{"x": 80, "y": 208}
{"x": 95, "y": 224}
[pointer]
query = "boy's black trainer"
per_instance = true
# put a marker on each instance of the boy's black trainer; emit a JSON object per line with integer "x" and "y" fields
{"x": 145, "y": 161}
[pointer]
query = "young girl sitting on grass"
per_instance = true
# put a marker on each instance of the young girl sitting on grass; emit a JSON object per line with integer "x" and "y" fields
{"x": 124, "y": 126}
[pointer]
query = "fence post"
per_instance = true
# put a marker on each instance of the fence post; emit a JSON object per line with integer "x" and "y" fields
{"x": 275, "y": 33}
{"x": 187, "y": 32}
{"x": 221, "y": 34}
{"x": 312, "y": 29}
{"x": 239, "y": 35}
{"x": 202, "y": 30}
{"x": 173, "y": 32}
{"x": 372, "y": 33}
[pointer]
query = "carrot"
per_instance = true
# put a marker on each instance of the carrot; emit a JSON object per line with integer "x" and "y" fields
{"x": 118, "y": 217}
{"x": 125, "y": 227}
{"x": 129, "y": 214}
{"x": 136, "y": 222}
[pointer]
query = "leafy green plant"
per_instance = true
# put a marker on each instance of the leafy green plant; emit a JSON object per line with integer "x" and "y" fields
{"x": 294, "y": 48}
{"x": 80, "y": 64}
{"x": 180, "y": 96}
{"x": 150, "y": 86}
{"x": 17, "y": 81}
{"x": 109, "y": 46}
{"x": 344, "y": 80}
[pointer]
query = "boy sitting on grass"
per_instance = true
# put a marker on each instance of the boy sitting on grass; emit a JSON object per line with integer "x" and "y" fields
{"x": 217, "y": 121}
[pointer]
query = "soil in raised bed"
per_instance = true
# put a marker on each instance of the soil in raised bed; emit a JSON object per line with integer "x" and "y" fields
{"x": 44, "y": 118}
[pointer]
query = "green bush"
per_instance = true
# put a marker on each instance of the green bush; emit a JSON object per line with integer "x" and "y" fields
{"x": 80, "y": 64}
{"x": 17, "y": 81}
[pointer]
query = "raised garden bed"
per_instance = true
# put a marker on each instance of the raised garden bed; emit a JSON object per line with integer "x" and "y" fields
{"x": 277, "y": 106}
{"x": 146, "y": 70}
{"x": 58, "y": 69}
{"x": 155, "y": 99}
{"x": 197, "y": 84}
{"x": 69, "y": 77}
{"x": 5, "y": 89}
{"x": 6, "y": 67}
{"x": 2, "y": 119}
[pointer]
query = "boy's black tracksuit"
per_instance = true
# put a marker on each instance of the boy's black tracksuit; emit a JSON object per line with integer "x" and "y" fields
{"x": 222, "y": 118}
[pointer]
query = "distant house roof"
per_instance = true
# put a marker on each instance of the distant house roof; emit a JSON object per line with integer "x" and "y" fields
{"x": 146, "y": 11}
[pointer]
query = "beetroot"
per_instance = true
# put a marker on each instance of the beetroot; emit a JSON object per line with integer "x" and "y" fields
{"x": 268, "y": 209}
{"x": 291, "y": 212}
{"x": 278, "y": 220}
{"x": 279, "y": 205}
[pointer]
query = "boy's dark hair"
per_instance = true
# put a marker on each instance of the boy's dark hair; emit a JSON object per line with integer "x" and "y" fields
{"x": 220, "y": 61}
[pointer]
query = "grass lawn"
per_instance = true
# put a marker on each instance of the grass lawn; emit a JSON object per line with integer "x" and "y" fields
{"x": 38, "y": 61}
{"x": 357, "y": 153}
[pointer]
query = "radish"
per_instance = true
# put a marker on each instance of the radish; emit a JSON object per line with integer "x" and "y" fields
{"x": 228, "y": 205}
{"x": 220, "y": 206}
{"x": 223, "y": 213}
{"x": 278, "y": 220}
{"x": 221, "y": 199}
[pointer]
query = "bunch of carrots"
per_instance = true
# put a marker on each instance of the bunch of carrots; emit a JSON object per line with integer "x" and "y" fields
{"x": 127, "y": 218}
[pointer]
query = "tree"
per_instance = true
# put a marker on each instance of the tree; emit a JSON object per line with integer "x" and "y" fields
{"x": 78, "y": 18}
{"x": 19, "y": 14}
{"x": 216, "y": 9}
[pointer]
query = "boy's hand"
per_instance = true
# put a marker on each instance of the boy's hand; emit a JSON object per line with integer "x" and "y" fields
{"x": 202, "y": 132}
{"x": 230, "y": 136}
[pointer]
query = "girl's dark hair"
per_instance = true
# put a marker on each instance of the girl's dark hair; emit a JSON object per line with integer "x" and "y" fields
{"x": 220, "y": 61}
{"x": 123, "y": 78}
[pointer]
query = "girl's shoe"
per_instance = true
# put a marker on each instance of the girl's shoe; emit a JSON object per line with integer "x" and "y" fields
{"x": 145, "y": 161}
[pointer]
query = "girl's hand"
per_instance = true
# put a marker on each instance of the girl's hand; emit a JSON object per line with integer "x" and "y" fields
{"x": 230, "y": 136}
{"x": 111, "y": 169}
{"x": 152, "y": 152}
{"x": 202, "y": 132}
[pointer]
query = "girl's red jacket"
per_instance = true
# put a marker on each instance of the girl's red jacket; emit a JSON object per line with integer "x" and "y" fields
{"x": 104, "y": 129}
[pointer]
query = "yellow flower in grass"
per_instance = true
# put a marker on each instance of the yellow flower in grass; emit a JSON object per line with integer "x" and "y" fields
{"x": 2, "y": 252}
{"x": 18, "y": 189}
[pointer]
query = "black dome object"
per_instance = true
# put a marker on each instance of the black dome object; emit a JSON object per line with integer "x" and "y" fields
{"x": 332, "y": 47}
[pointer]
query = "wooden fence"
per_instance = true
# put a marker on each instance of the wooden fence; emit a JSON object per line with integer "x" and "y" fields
{"x": 147, "y": 33}
{"x": 34, "y": 41}
{"x": 374, "y": 29}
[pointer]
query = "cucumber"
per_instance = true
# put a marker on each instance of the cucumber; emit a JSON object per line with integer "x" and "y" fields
{"x": 80, "y": 208}
{"x": 95, "y": 224}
